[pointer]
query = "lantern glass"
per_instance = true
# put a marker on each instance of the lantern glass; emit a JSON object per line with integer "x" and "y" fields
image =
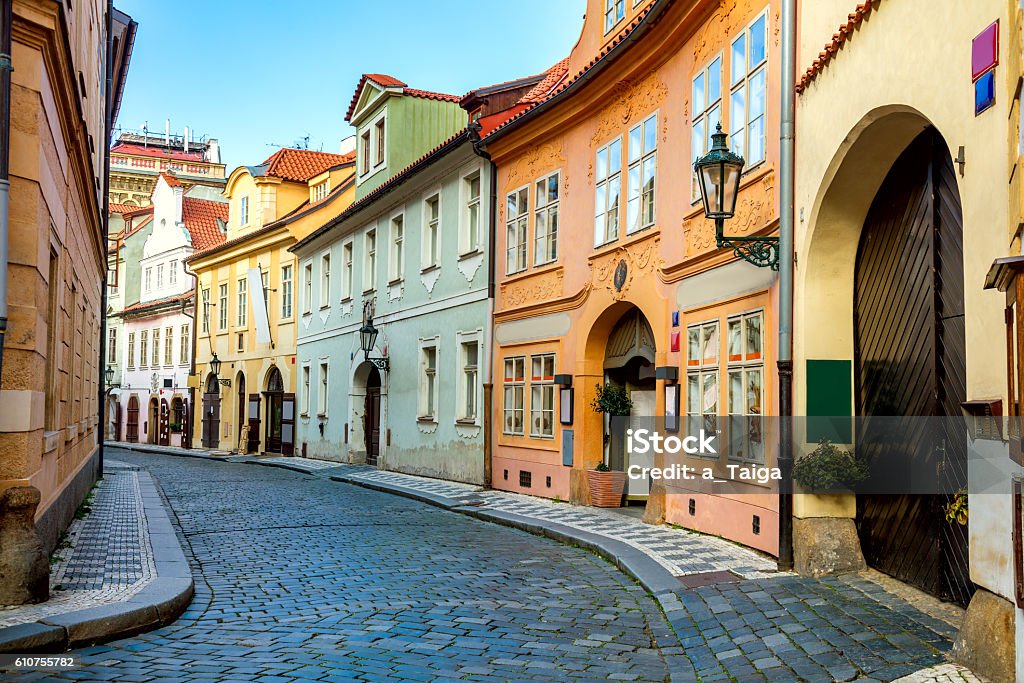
{"x": 718, "y": 176}
{"x": 109, "y": 374}
{"x": 730, "y": 188}
{"x": 215, "y": 365}
{"x": 367, "y": 337}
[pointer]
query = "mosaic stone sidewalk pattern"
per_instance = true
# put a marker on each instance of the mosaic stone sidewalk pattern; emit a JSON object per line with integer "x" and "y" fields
{"x": 106, "y": 557}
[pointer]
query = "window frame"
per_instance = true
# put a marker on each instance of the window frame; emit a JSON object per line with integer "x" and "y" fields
{"x": 610, "y": 7}
{"x": 750, "y": 72}
{"x": 323, "y": 387}
{"x": 517, "y": 386}
{"x": 307, "y": 287}
{"x": 639, "y": 163}
{"x": 521, "y": 224}
{"x": 205, "y": 302}
{"x": 222, "y": 314}
{"x": 242, "y": 302}
{"x": 143, "y": 349}
{"x": 130, "y": 360}
{"x": 325, "y": 279}
{"x": 184, "y": 357}
{"x": 154, "y": 339}
{"x": 704, "y": 117}
{"x": 347, "y": 269}
{"x": 548, "y": 209}
{"x": 428, "y": 386}
{"x": 112, "y": 346}
{"x": 605, "y": 183}
{"x": 540, "y": 386}
{"x": 304, "y": 383}
{"x": 243, "y": 211}
{"x": 468, "y": 242}
{"x": 746, "y": 364}
{"x": 431, "y": 232}
{"x": 287, "y": 287}
{"x": 370, "y": 260}
{"x": 168, "y": 346}
{"x": 172, "y": 272}
{"x": 463, "y": 340}
{"x": 396, "y": 247}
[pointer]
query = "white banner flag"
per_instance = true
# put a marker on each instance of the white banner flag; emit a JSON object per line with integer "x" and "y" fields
{"x": 259, "y": 307}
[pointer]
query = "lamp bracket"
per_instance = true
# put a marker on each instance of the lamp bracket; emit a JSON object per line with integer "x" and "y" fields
{"x": 224, "y": 382}
{"x": 381, "y": 363}
{"x": 761, "y": 251}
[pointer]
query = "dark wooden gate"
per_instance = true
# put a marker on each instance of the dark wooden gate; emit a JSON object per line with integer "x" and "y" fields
{"x": 288, "y": 424}
{"x": 164, "y": 425}
{"x": 910, "y": 347}
{"x": 253, "y": 444}
{"x": 211, "y": 418}
{"x": 132, "y": 426}
{"x": 371, "y": 419}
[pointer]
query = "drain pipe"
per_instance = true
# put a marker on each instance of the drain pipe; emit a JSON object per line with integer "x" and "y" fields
{"x": 488, "y": 399}
{"x": 5, "y": 155}
{"x": 786, "y": 225}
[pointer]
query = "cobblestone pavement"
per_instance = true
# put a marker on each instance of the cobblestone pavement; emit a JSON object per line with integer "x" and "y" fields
{"x": 106, "y": 556}
{"x": 301, "y": 578}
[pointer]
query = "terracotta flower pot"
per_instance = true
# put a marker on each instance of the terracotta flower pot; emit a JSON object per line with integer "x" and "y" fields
{"x": 606, "y": 488}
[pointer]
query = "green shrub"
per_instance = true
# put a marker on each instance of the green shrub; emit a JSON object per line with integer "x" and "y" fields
{"x": 828, "y": 468}
{"x": 612, "y": 399}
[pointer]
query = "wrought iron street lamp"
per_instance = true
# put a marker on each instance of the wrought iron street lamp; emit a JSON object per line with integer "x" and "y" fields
{"x": 109, "y": 376}
{"x": 718, "y": 176}
{"x": 367, "y": 339}
{"x": 215, "y": 364}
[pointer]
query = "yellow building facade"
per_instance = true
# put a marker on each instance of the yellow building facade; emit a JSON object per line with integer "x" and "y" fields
{"x": 249, "y": 403}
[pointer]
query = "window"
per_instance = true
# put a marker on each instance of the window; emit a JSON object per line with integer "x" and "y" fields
{"x": 143, "y": 348}
{"x": 642, "y": 151}
{"x": 325, "y": 280}
{"x": 160, "y": 276}
{"x": 307, "y": 287}
{"x": 183, "y": 358}
{"x": 130, "y": 363}
{"x": 243, "y": 303}
{"x": 470, "y": 239}
{"x": 364, "y": 149}
{"x": 222, "y": 295}
{"x": 378, "y": 129}
{"x": 514, "y": 399}
{"x": 346, "y": 272}
{"x": 321, "y": 397}
{"x": 517, "y": 207}
{"x": 469, "y": 368}
{"x": 304, "y": 406}
{"x": 155, "y": 359}
{"x": 172, "y": 272}
{"x": 148, "y": 280}
{"x": 744, "y": 344}
{"x": 545, "y": 220}
{"x": 707, "y": 113}
{"x": 318, "y": 192}
{"x": 112, "y": 346}
{"x": 542, "y": 395}
{"x": 702, "y": 391}
{"x": 240, "y": 345}
{"x": 431, "y": 232}
{"x": 206, "y": 310}
{"x": 286, "y": 291}
{"x": 243, "y": 211}
{"x": 606, "y": 193}
{"x": 396, "y": 264}
{"x": 748, "y": 74}
{"x": 169, "y": 346}
{"x": 428, "y": 381}
{"x": 370, "y": 261}
{"x": 614, "y": 11}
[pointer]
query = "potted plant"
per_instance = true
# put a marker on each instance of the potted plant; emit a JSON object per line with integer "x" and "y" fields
{"x": 957, "y": 510}
{"x": 607, "y": 486}
{"x": 829, "y": 468}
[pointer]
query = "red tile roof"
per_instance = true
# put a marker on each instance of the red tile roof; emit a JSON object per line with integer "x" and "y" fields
{"x": 300, "y": 165}
{"x": 552, "y": 77}
{"x": 200, "y": 218}
{"x": 839, "y": 38}
{"x": 157, "y": 303}
{"x": 386, "y": 81}
{"x": 171, "y": 179}
{"x": 120, "y": 208}
{"x": 139, "y": 150}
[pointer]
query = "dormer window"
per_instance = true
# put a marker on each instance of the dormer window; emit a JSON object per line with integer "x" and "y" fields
{"x": 373, "y": 143}
{"x": 318, "y": 192}
{"x": 364, "y": 152}
{"x": 379, "y": 138}
{"x": 243, "y": 211}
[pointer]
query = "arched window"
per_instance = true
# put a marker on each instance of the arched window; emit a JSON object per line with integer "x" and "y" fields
{"x": 274, "y": 382}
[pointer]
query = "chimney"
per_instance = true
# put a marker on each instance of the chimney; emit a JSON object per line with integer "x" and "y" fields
{"x": 347, "y": 145}
{"x": 212, "y": 151}
{"x": 186, "y": 139}
{"x": 167, "y": 133}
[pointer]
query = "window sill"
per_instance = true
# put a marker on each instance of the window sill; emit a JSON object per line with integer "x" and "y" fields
{"x": 346, "y": 300}
{"x": 321, "y": 416}
{"x": 545, "y": 437}
{"x": 466, "y": 422}
{"x": 304, "y": 415}
{"x": 430, "y": 268}
{"x": 325, "y": 307}
{"x": 428, "y": 419}
{"x": 396, "y": 281}
{"x": 368, "y": 291}
{"x": 475, "y": 251}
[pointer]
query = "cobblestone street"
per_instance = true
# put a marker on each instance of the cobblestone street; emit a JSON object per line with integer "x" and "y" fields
{"x": 299, "y": 578}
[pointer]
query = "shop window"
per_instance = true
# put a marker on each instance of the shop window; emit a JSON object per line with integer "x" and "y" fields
{"x": 514, "y": 395}
{"x": 542, "y": 396}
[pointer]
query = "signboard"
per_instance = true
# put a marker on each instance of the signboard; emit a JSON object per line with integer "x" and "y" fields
{"x": 259, "y": 306}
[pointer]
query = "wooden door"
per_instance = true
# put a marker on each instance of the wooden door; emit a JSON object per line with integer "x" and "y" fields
{"x": 211, "y": 420}
{"x": 132, "y": 426}
{"x": 288, "y": 424}
{"x": 253, "y": 446}
{"x": 275, "y": 410}
{"x": 909, "y": 322}
{"x": 164, "y": 426}
{"x": 371, "y": 428}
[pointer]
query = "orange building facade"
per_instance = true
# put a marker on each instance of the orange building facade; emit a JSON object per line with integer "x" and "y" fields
{"x": 606, "y": 269}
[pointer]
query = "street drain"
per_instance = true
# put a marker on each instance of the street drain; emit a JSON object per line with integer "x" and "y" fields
{"x": 708, "y": 579}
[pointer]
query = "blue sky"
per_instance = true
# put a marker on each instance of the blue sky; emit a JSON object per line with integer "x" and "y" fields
{"x": 257, "y": 74}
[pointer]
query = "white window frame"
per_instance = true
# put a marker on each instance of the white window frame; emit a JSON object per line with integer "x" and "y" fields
{"x": 183, "y": 355}
{"x": 702, "y": 121}
{"x": 604, "y": 213}
{"x": 323, "y": 387}
{"x": 520, "y": 224}
{"x": 304, "y": 396}
{"x": 112, "y": 346}
{"x": 222, "y": 299}
{"x": 370, "y": 260}
{"x": 396, "y": 247}
{"x": 749, "y": 363}
{"x": 700, "y": 371}
{"x": 160, "y": 276}
{"x": 429, "y": 382}
{"x": 243, "y": 211}
{"x": 347, "y": 269}
{"x": 148, "y": 279}
{"x": 516, "y": 389}
{"x": 172, "y": 272}
{"x": 143, "y": 349}
{"x": 636, "y": 190}
{"x": 469, "y": 243}
{"x": 542, "y": 388}
{"x": 154, "y": 339}
{"x": 740, "y": 127}
{"x": 307, "y": 287}
{"x": 325, "y": 279}
{"x": 206, "y": 310}
{"x": 463, "y": 370}
{"x": 545, "y": 211}
{"x": 614, "y": 13}
{"x": 287, "y": 289}
{"x": 130, "y": 361}
{"x": 319, "y": 191}
{"x": 168, "y": 346}
{"x": 242, "y": 301}
{"x": 431, "y": 232}
{"x": 372, "y": 150}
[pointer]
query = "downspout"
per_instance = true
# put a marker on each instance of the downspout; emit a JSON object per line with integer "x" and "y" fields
{"x": 487, "y": 419}
{"x": 186, "y": 434}
{"x": 786, "y": 225}
{"x": 108, "y": 129}
{"x": 5, "y": 155}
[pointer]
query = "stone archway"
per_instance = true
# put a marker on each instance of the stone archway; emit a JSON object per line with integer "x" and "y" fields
{"x": 368, "y": 409}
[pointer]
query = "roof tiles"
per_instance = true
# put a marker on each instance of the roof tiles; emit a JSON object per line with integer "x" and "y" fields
{"x": 200, "y": 218}
{"x": 839, "y": 38}
{"x": 386, "y": 81}
{"x": 299, "y": 165}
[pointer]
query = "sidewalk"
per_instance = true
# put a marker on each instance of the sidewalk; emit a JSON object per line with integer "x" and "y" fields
{"x": 736, "y": 616}
{"x": 119, "y": 571}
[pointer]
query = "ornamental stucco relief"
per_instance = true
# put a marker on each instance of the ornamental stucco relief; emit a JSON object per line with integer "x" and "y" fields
{"x": 630, "y": 102}
{"x": 532, "y": 290}
{"x": 754, "y": 210}
{"x": 532, "y": 164}
{"x": 729, "y": 18}
{"x": 617, "y": 270}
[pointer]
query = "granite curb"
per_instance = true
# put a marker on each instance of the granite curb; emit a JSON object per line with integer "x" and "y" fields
{"x": 158, "y": 603}
{"x": 166, "y": 450}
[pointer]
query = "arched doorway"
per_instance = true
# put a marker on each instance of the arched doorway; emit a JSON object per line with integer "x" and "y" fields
{"x": 153, "y": 420}
{"x": 177, "y": 415}
{"x": 113, "y": 421}
{"x": 163, "y": 434}
{"x": 211, "y": 412}
{"x": 910, "y": 361}
{"x": 132, "y": 424}
{"x": 240, "y": 405}
{"x": 274, "y": 395}
{"x": 371, "y": 417}
{"x": 629, "y": 362}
